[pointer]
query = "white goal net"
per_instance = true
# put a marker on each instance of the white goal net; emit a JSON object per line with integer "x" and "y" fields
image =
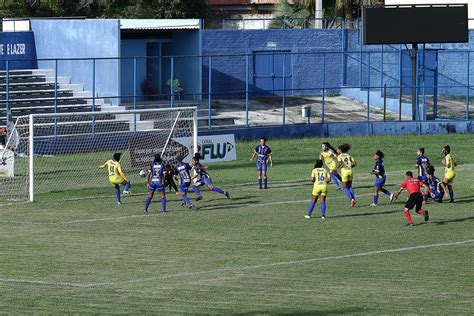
{"x": 62, "y": 152}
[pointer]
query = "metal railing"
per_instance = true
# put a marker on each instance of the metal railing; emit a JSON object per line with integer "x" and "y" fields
{"x": 337, "y": 86}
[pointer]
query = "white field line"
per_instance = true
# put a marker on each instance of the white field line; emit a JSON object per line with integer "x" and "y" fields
{"x": 235, "y": 269}
{"x": 365, "y": 176}
{"x": 213, "y": 207}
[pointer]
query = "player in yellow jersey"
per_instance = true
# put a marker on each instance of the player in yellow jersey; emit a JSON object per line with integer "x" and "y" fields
{"x": 116, "y": 176}
{"x": 320, "y": 178}
{"x": 449, "y": 173}
{"x": 346, "y": 163}
{"x": 329, "y": 157}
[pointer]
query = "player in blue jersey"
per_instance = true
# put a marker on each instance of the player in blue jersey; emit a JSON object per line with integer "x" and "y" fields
{"x": 156, "y": 183}
{"x": 116, "y": 176}
{"x": 437, "y": 191}
{"x": 201, "y": 176}
{"x": 422, "y": 162}
{"x": 264, "y": 155}
{"x": 380, "y": 177}
{"x": 182, "y": 170}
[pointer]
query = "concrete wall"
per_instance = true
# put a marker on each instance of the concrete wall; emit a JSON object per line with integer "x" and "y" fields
{"x": 81, "y": 39}
{"x": 228, "y": 70}
{"x": 347, "y": 129}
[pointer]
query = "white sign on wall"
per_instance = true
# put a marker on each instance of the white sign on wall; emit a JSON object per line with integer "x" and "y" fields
{"x": 214, "y": 148}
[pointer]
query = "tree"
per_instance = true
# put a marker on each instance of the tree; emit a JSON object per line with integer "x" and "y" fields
{"x": 292, "y": 15}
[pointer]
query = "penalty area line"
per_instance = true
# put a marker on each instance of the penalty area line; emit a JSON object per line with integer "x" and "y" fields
{"x": 236, "y": 269}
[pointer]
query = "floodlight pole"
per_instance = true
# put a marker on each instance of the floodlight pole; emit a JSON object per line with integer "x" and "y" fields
{"x": 414, "y": 59}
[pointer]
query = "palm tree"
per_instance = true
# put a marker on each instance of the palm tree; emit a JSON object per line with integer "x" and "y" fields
{"x": 345, "y": 8}
{"x": 291, "y": 15}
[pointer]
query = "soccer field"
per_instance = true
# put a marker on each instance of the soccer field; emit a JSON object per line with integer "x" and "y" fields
{"x": 78, "y": 252}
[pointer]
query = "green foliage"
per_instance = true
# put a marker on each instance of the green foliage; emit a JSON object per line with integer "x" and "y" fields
{"x": 144, "y": 9}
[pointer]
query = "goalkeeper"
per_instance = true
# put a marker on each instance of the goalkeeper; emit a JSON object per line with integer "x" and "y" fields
{"x": 116, "y": 176}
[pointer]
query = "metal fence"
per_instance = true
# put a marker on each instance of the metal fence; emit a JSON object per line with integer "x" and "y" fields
{"x": 270, "y": 88}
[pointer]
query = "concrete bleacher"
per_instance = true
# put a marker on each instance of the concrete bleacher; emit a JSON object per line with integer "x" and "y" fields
{"x": 33, "y": 91}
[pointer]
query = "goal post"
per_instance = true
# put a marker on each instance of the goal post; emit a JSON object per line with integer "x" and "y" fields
{"x": 62, "y": 152}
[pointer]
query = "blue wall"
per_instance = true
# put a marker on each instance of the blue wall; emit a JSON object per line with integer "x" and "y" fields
{"x": 95, "y": 38}
{"x": 132, "y": 48}
{"x": 19, "y": 49}
{"x": 228, "y": 72}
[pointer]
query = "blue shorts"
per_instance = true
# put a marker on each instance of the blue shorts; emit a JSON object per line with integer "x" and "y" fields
{"x": 156, "y": 186}
{"x": 204, "y": 181}
{"x": 437, "y": 195}
{"x": 261, "y": 166}
{"x": 423, "y": 179}
{"x": 380, "y": 182}
{"x": 184, "y": 187}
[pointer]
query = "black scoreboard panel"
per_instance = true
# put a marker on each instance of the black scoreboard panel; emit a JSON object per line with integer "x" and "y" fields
{"x": 406, "y": 24}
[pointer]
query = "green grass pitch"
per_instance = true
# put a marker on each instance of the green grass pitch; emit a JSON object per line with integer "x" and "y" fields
{"x": 253, "y": 254}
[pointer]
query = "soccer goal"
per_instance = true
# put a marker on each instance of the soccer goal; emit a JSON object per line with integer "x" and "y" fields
{"x": 62, "y": 152}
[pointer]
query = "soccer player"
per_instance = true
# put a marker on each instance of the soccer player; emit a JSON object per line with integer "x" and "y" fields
{"x": 168, "y": 179}
{"x": 346, "y": 163}
{"x": 449, "y": 173}
{"x": 379, "y": 173}
{"x": 203, "y": 177}
{"x": 415, "y": 199}
{"x": 329, "y": 156}
{"x": 320, "y": 178}
{"x": 182, "y": 169}
{"x": 156, "y": 183}
{"x": 264, "y": 155}
{"x": 437, "y": 191}
{"x": 116, "y": 176}
{"x": 422, "y": 162}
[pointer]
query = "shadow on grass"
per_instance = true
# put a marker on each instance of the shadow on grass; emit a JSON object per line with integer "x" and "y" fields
{"x": 367, "y": 214}
{"x": 324, "y": 312}
{"x": 456, "y": 220}
{"x": 226, "y": 206}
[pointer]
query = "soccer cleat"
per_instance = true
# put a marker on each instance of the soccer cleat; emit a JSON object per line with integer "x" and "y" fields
{"x": 411, "y": 225}
{"x": 393, "y": 198}
{"x": 227, "y": 195}
{"x": 119, "y": 203}
{"x": 265, "y": 187}
{"x": 427, "y": 216}
{"x": 322, "y": 217}
{"x": 451, "y": 201}
{"x": 191, "y": 207}
{"x": 307, "y": 216}
{"x": 338, "y": 188}
{"x": 126, "y": 192}
{"x": 145, "y": 212}
{"x": 260, "y": 188}
{"x": 199, "y": 198}
{"x": 373, "y": 204}
{"x": 183, "y": 204}
{"x": 353, "y": 203}
{"x": 164, "y": 212}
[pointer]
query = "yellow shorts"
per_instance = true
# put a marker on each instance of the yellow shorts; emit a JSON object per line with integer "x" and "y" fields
{"x": 332, "y": 166}
{"x": 320, "y": 190}
{"x": 450, "y": 175}
{"x": 116, "y": 180}
{"x": 346, "y": 175}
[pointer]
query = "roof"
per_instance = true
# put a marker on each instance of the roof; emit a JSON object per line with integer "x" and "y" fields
{"x": 162, "y": 24}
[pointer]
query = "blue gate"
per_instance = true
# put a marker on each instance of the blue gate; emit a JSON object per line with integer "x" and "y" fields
{"x": 272, "y": 72}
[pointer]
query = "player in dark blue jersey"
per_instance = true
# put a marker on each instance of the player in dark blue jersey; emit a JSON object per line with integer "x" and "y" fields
{"x": 156, "y": 183}
{"x": 264, "y": 155}
{"x": 201, "y": 176}
{"x": 182, "y": 170}
{"x": 380, "y": 177}
{"x": 422, "y": 162}
{"x": 437, "y": 191}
